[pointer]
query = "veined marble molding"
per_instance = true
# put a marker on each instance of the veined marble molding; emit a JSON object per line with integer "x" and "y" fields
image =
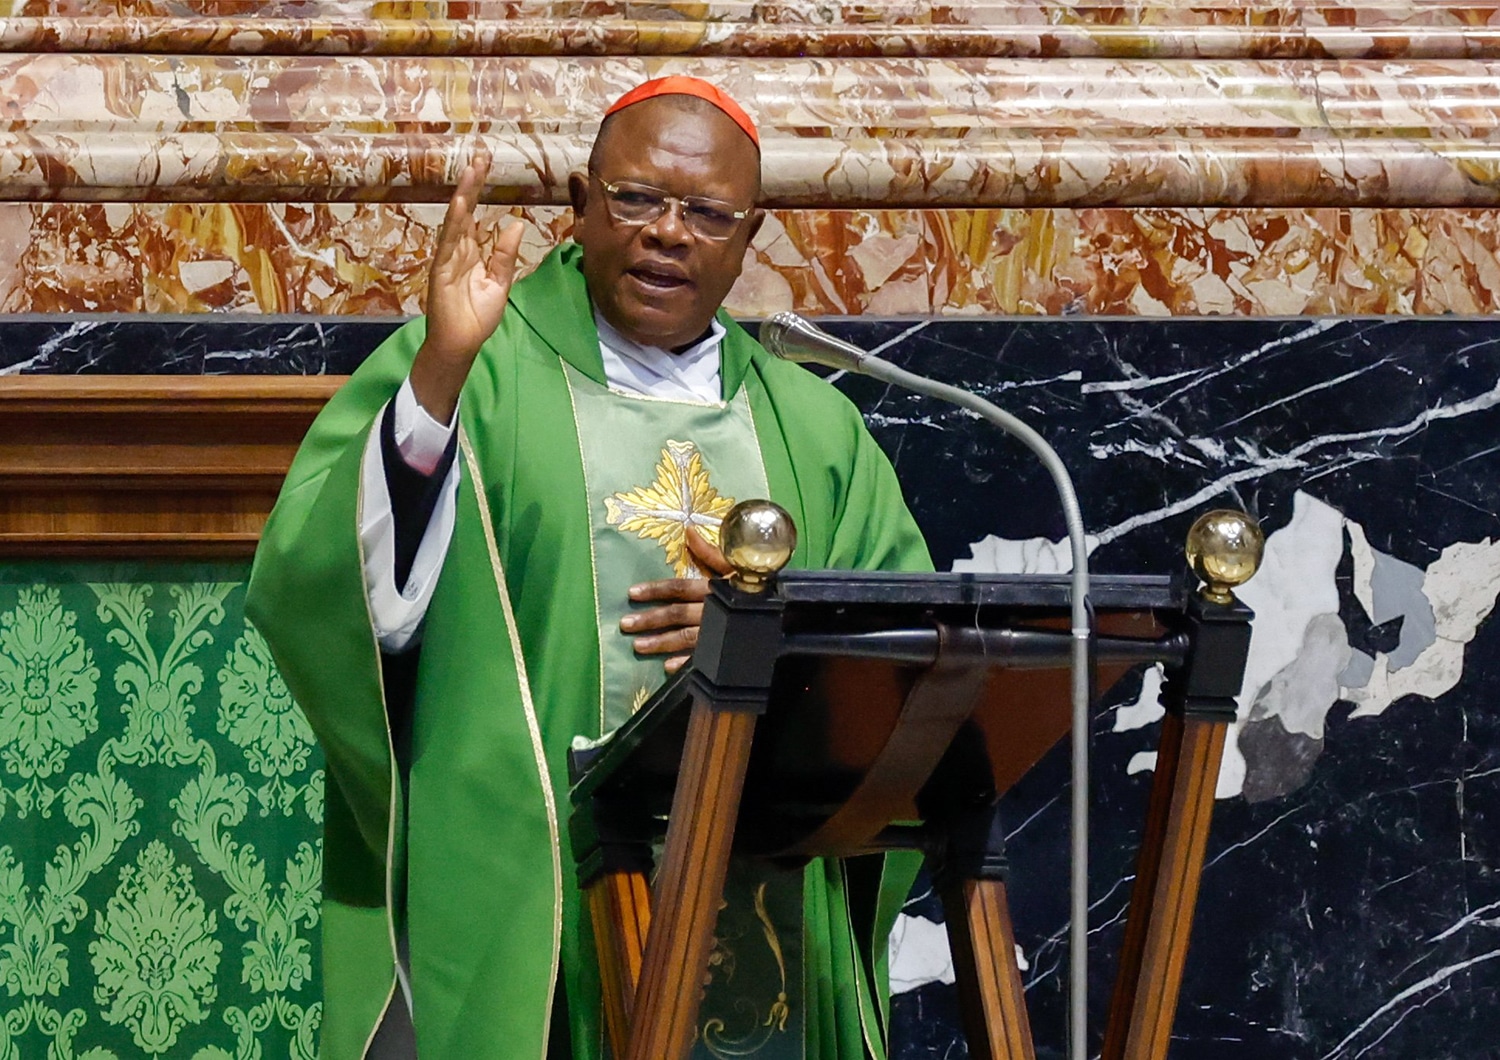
{"x": 371, "y": 260}
{"x": 798, "y": 99}
{"x": 858, "y": 133}
{"x": 1418, "y": 32}
{"x": 807, "y": 13}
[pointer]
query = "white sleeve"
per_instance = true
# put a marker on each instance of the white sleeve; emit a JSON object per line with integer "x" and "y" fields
{"x": 397, "y": 613}
{"x": 420, "y": 439}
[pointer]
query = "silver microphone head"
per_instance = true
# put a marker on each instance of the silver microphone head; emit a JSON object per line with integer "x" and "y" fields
{"x": 790, "y": 337}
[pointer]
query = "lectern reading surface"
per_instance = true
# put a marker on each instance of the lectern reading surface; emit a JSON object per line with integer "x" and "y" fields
{"x": 847, "y": 713}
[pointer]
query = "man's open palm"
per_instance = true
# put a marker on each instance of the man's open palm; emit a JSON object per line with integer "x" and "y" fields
{"x": 466, "y": 296}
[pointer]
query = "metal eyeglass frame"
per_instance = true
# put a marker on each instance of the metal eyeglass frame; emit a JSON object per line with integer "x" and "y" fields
{"x": 612, "y": 189}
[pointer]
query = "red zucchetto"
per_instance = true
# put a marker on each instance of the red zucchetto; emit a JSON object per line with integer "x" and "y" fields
{"x": 678, "y": 85}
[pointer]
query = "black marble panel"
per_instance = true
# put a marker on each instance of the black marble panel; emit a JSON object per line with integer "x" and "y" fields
{"x": 1350, "y": 905}
{"x": 187, "y": 345}
{"x": 1354, "y": 914}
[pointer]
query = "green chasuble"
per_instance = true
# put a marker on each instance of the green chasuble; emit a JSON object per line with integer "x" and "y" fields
{"x": 471, "y": 859}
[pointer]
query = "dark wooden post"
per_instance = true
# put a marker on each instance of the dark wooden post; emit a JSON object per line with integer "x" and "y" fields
{"x": 970, "y": 878}
{"x": 733, "y": 665}
{"x": 1200, "y": 706}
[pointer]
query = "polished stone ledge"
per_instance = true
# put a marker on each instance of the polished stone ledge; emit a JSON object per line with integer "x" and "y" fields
{"x": 802, "y": 98}
{"x": 369, "y": 260}
{"x": 836, "y": 133}
{"x": 817, "y": 172}
{"x": 1414, "y": 32}
{"x": 804, "y": 13}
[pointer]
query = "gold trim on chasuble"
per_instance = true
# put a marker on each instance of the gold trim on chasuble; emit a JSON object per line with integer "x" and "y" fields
{"x": 395, "y": 776}
{"x": 653, "y": 467}
{"x": 533, "y": 727}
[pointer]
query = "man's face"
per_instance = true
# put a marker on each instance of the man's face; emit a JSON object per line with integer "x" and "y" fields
{"x": 659, "y": 284}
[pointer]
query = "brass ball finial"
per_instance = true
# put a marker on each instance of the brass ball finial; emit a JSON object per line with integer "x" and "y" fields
{"x": 1224, "y": 549}
{"x": 758, "y": 539}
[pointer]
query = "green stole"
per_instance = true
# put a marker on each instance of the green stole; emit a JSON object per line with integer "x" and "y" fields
{"x": 652, "y": 467}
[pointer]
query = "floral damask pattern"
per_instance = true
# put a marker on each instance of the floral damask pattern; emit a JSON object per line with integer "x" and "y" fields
{"x": 48, "y": 682}
{"x": 158, "y": 688}
{"x": 155, "y": 956}
{"x": 161, "y": 853}
{"x": 258, "y": 715}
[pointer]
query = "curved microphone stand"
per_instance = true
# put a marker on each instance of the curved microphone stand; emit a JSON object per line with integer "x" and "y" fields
{"x": 789, "y": 337}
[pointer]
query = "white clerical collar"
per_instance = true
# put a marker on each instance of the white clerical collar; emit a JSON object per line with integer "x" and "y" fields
{"x": 691, "y": 375}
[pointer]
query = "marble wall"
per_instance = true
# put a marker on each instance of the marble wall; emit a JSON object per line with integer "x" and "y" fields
{"x": 370, "y": 259}
{"x": 1350, "y": 899}
{"x": 919, "y": 131}
{"x": 1239, "y": 252}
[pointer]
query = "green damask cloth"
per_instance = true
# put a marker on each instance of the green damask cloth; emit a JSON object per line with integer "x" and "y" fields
{"x": 472, "y": 859}
{"x": 161, "y": 800}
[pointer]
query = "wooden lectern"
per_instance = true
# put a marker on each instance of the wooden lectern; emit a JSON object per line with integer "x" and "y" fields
{"x": 831, "y": 714}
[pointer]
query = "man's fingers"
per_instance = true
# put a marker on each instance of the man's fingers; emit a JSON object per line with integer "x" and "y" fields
{"x": 674, "y": 642}
{"x": 502, "y": 263}
{"x": 459, "y": 220}
{"x": 471, "y": 181}
{"x": 706, "y": 554}
{"x": 673, "y": 629}
{"x": 691, "y": 590}
{"x": 672, "y": 616}
{"x": 481, "y": 163}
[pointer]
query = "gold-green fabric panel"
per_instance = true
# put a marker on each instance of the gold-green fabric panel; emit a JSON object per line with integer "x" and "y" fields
{"x": 161, "y": 808}
{"x": 652, "y": 468}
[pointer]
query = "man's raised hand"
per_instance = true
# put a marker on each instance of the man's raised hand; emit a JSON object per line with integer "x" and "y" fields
{"x": 466, "y": 297}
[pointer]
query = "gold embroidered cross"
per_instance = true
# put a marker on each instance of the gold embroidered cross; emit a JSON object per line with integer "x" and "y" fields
{"x": 680, "y": 497}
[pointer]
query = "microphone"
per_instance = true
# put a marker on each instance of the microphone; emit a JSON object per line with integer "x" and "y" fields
{"x": 791, "y": 338}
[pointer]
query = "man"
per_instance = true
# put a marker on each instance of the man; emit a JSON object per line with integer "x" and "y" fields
{"x": 490, "y": 541}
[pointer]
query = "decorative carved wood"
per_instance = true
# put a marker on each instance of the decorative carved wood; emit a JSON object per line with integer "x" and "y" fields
{"x": 150, "y": 466}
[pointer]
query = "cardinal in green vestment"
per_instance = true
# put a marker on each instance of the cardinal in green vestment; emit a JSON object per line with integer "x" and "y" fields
{"x": 592, "y": 423}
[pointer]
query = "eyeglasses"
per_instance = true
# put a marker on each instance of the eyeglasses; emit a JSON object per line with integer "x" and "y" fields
{"x": 640, "y": 204}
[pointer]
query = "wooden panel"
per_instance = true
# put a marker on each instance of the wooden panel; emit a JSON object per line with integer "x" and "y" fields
{"x": 146, "y": 465}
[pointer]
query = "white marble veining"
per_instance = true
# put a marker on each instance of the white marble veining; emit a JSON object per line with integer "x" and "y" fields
{"x": 919, "y": 954}
{"x": 1037, "y": 555}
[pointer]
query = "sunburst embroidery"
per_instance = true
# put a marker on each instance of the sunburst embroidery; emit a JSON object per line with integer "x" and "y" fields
{"x": 680, "y": 497}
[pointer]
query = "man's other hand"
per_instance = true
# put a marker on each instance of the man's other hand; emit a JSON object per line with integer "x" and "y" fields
{"x": 672, "y": 628}
{"x": 466, "y": 296}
